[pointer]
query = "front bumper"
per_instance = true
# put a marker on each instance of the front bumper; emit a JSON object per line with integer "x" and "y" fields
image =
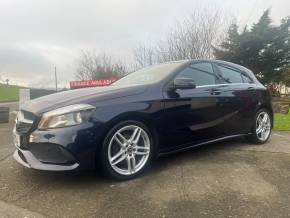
{"x": 62, "y": 149}
{"x": 27, "y": 159}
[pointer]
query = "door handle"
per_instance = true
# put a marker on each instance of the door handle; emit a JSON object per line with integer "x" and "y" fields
{"x": 251, "y": 88}
{"x": 215, "y": 92}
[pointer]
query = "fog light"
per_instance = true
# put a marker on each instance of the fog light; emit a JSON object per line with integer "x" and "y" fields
{"x": 31, "y": 138}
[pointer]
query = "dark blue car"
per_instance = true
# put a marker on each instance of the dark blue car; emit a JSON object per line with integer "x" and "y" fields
{"x": 154, "y": 111}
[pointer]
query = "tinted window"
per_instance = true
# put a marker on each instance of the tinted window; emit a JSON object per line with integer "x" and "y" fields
{"x": 246, "y": 79}
{"x": 230, "y": 75}
{"x": 201, "y": 73}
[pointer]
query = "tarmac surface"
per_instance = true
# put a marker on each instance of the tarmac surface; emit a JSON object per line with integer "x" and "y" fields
{"x": 226, "y": 179}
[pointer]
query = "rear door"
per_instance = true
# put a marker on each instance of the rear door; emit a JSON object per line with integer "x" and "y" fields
{"x": 238, "y": 99}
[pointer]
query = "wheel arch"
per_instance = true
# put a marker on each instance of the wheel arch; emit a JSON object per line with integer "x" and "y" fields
{"x": 265, "y": 101}
{"x": 131, "y": 116}
{"x": 269, "y": 108}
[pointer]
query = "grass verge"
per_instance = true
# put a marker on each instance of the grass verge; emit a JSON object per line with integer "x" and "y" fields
{"x": 9, "y": 93}
{"x": 282, "y": 121}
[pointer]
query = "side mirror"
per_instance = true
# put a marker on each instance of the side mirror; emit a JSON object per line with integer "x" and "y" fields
{"x": 184, "y": 83}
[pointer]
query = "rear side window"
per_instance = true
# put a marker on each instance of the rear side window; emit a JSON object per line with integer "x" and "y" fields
{"x": 230, "y": 75}
{"x": 201, "y": 73}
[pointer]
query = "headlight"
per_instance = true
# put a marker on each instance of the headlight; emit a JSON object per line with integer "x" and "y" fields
{"x": 66, "y": 116}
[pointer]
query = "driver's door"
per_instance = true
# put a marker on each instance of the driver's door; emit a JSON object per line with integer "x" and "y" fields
{"x": 192, "y": 116}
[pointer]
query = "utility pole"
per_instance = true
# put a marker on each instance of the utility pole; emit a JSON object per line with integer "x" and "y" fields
{"x": 55, "y": 76}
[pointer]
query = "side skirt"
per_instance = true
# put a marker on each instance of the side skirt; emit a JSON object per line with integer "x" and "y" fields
{"x": 185, "y": 148}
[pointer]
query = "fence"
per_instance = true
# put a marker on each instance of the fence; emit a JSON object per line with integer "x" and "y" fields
{"x": 281, "y": 104}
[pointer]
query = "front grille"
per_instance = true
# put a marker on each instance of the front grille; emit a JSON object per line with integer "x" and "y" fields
{"x": 24, "y": 122}
{"x": 22, "y": 127}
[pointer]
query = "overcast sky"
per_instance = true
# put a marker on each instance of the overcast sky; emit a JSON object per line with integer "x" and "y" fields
{"x": 36, "y": 35}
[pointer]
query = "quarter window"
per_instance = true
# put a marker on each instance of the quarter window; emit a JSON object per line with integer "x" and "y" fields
{"x": 230, "y": 75}
{"x": 201, "y": 73}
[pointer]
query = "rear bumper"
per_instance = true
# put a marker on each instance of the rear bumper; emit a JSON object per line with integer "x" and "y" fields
{"x": 27, "y": 159}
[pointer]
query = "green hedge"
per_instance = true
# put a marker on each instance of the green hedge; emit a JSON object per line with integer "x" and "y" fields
{"x": 36, "y": 93}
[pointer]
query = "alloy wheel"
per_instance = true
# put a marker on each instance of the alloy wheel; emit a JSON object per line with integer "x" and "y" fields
{"x": 129, "y": 150}
{"x": 263, "y": 126}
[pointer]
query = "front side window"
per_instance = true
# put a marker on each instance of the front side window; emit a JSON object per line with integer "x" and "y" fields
{"x": 246, "y": 79}
{"x": 230, "y": 75}
{"x": 201, "y": 73}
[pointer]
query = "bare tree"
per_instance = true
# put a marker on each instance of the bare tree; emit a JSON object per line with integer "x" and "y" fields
{"x": 144, "y": 55}
{"x": 191, "y": 38}
{"x": 98, "y": 66}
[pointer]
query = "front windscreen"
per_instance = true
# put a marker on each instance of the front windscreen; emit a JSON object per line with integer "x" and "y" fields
{"x": 148, "y": 75}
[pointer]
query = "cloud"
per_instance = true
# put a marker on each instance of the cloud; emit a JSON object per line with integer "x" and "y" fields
{"x": 38, "y": 35}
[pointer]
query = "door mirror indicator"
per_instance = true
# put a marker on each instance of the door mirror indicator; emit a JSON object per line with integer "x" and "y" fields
{"x": 184, "y": 83}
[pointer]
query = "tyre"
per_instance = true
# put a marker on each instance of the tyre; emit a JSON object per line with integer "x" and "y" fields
{"x": 261, "y": 129}
{"x": 127, "y": 150}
